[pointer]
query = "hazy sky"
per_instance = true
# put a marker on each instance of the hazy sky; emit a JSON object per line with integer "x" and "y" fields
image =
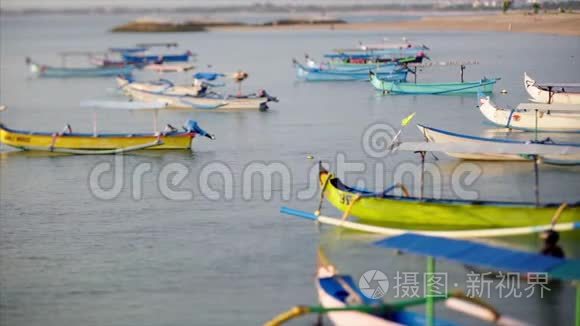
{"x": 20, "y": 4}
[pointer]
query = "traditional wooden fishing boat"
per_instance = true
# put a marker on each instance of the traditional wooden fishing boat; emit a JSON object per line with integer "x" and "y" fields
{"x": 96, "y": 143}
{"x": 469, "y": 253}
{"x": 413, "y": 213}
{"x": 346, "y": 66}
{"x": 207, "y": 102}
{"x": 459, "y": 234}
{"x": 106, "y": 62}
{"x": 549, "y": 93}
{"x": 157, "y": 86}
{"x": 392, "y": 45}
{"x": 533, "y": 116}
{"x": 443, "y": 136}
{"x": 393, "y": 73}
{"x": 393, "y": 52}
{"x": 127, "y": 49}
{"x": 142, "y": 47}
{"x": 357, "y": 59}
{"x": 163, "y": 67}
{"x": 144, "y": 57}
{"x": 396, "y": 87}
{"x": 163, "y": 85}
{"x": 345, "y": 304}
{"x": 339, "y": 291}
{"x": 362, "y": 66}
{"x": 62, "y": 72}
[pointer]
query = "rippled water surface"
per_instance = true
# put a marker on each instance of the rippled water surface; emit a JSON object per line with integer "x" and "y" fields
{"x": 69, "y": 258}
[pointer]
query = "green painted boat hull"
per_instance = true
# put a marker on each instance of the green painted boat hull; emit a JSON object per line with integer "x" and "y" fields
{"x": 434, "y": 214}
{"x": 482, "y": 86}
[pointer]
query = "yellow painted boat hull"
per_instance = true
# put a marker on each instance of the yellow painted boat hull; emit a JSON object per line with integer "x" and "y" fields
{"x": 45, "y": 141}
{"x": 434, "y": 214}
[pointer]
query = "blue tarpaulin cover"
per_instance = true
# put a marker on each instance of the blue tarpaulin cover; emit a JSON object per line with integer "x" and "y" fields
{"x": 472, "y": 253}
{"x": 192, "y": 126}
{"x": 207, "y": 75}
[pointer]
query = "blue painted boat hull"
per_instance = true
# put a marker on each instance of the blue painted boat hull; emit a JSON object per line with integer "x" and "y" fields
{"x": 333, "y": 292}
{"x": 137, "y": 58}
{"x": 104, "y": 71}
{"x": 313, "y": 74}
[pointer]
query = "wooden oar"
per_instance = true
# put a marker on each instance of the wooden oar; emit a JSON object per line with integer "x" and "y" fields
{"x": 480, "y": 233}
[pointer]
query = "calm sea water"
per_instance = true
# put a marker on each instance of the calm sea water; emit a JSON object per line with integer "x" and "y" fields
{"x": 69, "y": 258}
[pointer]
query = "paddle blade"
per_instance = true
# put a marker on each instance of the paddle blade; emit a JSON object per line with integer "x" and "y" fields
{"x": 192, "y": 126}
{"x": 408, "y": 119}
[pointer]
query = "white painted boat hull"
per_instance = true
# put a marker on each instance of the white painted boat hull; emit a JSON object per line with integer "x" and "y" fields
{"x": 345, "y": 318}
{"x": 440, "y": 137}
{"x": 543, "y": 96}
{"x": 526, "y": 120}
{"x": 157, "y": 87}
{"x": 168, "y": 68}
{"x": 199, "y": 103}
{"x": 436, "y": 137}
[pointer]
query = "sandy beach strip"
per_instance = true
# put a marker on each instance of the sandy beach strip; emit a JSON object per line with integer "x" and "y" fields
{"x": 549, "y": 23}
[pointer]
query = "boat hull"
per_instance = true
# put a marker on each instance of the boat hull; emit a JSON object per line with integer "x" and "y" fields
{"x": 199, "y": 103}
{"x": 434, "y": 214}
{"x": 146, "y": 58}
{"x": 526, "y": 120}
{"x": 104, "y": 71}
{"x": 47, "y": 141}
{"x": 540, "y": 95}
{"x": 390, "y": 87}
{"x": 160, "y": 86}
{"x": 312, "y": 74}
{"x": 443, "y": 136}
{"x": 168, "y": 67}
{"x": 332, "y": 288}
{"x": 363, "y": 67}
{"x": 346, "y": 318}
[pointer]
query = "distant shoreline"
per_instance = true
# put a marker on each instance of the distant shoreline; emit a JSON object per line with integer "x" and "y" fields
{"x": 162, "y": 26}
{"x": 519, "y": 22}
{"x": 312, "y": 7}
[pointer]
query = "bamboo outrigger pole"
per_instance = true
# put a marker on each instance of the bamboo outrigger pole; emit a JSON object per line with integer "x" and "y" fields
{"x": 577, "y": 303}
{"x": 430, "y": 304}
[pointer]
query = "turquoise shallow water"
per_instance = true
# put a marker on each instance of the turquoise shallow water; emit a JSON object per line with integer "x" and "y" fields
{"x": 69, "y": 258}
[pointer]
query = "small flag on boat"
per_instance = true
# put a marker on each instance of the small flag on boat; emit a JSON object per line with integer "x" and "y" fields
{"x": 408, "y": 119}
